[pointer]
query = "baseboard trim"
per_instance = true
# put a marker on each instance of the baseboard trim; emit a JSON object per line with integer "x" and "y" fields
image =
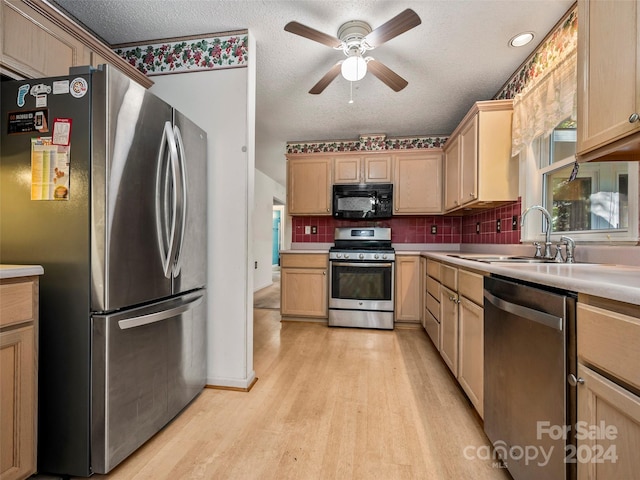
{"x": 234, "y": 389}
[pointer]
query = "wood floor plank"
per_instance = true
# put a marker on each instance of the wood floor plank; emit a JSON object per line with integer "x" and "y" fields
{"x": 330, "y": 403}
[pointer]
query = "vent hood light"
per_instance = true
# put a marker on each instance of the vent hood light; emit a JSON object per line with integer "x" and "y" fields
{"x": 521, "y": 39}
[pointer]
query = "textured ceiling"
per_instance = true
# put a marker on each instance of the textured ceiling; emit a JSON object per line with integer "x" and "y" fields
{"x": 458, "y": 55}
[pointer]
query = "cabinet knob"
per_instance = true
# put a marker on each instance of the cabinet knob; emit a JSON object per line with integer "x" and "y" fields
{"x": 634, "y": 117}
{"x": 396, "y": 209}
{"x": 327, "y": 209}
{"x": 471, "y": 195}
{"x": 324, "y": 273}
{"x": 573, "y": 380}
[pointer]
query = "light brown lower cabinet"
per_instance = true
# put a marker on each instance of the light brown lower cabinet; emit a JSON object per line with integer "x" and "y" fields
{"x": 304, "y": 285}
{"x": 449, "y": 328}
{"x": 454, "y": 320}
{"x": 471, "y": 357}
{"x": 408, "y": 288}
{"x": 608, "y": 427}
{"x": 18, "y": 377}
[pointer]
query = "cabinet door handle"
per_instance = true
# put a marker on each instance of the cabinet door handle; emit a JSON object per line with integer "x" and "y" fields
{"x": 634, "y": 117}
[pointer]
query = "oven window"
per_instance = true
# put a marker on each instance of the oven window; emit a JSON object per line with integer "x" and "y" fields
{"x": 361, "y": 283}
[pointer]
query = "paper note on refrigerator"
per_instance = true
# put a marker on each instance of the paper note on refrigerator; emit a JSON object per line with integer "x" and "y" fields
{"x": 49, "y": 170}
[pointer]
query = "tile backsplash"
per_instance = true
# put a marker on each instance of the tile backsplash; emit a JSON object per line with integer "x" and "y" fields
{"x": 481, "y": 227}
{"x": 476, "y": 228}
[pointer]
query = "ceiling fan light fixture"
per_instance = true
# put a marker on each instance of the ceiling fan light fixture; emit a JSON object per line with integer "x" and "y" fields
{"x": 354, "y": 68}
{"x": 521, "y": 39}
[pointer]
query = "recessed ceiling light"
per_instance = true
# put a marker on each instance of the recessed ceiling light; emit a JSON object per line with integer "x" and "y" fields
{"x": 521, "y": 39}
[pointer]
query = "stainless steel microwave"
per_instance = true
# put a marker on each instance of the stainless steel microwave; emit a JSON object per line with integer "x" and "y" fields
{"x": 363, "y": 201}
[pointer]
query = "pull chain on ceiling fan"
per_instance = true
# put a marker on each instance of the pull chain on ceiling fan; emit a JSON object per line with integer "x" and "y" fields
{"x": 355, "y": 38}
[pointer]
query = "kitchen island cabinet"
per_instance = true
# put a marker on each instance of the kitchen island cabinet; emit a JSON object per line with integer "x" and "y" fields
{"x": 309, "y": 184}
{"x": 608, "y": 80}
{"x": 479, "y": 171}
{"x": 304, "y": 285}
{"x": 417, "y": 182}
{"x": 18, "y": 371}
{"x": 608, "y": 335}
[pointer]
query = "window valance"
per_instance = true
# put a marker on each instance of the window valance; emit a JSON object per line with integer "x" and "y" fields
{"x": 539, "y": 109}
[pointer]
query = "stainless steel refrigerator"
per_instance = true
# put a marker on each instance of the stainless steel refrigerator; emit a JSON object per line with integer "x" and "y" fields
{"x": 104, "y": 184}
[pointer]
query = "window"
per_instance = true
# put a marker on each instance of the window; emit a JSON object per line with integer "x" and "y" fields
{"x": 588, "y": 201}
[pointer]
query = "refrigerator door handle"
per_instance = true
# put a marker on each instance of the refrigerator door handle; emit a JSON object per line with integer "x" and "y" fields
{"x": 182, "y": 204}
{"x": 146, "y": 319}
{"x": 166, "y": 239}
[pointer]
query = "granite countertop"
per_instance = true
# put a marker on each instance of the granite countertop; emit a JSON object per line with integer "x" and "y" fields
{"x": 13, "y": 271}
{"x": 616, "y": 282}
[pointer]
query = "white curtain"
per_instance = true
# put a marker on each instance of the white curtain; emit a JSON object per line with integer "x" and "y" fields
{"x": 540, "y": 108}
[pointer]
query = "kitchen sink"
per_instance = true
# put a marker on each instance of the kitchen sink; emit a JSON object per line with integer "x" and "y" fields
{"x": 489, "y": 258}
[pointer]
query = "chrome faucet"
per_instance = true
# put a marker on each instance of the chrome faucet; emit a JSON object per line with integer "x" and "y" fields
{"x": 570, "y": 246}
{"x": 547, "y": 241}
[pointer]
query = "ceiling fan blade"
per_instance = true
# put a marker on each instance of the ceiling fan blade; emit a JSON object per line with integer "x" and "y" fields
{"x": 327, "y": 79}
{"x": 312, "y": 34}
{"x": 388, "y": 76}
{"x": 397, "y": 25}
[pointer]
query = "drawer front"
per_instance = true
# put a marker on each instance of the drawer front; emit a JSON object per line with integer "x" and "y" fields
{"x": 432, "y": 326}
{"x": 433, "y": 287}
{"x": 471, "y": 285}
{"x": 449, "y": 277}
{"x": 433, "y": 306}
{"x": 16, "y": 302}
{"x": 304, "y": 260}
{"x": 433, "y": 269}
{"x": 609, "y": 340}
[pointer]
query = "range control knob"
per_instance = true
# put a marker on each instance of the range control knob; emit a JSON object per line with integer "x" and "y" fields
{"x": 346, "y": 255}
{"x": 384, "y": 256}
{"x": 376, "y": 256}
{"x": 361, "y": 256}
{"x": 338, "y": 255}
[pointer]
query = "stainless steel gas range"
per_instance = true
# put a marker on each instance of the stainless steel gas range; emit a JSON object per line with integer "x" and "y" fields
{"x": 361, "y": 279}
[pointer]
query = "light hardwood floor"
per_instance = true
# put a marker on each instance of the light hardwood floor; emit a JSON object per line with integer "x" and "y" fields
{"x": 330, "y": 403}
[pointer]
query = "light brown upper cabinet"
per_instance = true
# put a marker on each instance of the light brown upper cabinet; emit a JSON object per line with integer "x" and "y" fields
{"x": 38, "y": 40}
{"x": 33, "y": 46}
{"x": 608, "y": 80}
{"x": 309, "y": 184}
{"x": 417, "y": 182}
{"x": 358, "y": 168}
{"x": 479, "y": 171}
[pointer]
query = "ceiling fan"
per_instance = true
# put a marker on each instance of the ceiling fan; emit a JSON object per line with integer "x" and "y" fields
{"x": 355, "y": 38}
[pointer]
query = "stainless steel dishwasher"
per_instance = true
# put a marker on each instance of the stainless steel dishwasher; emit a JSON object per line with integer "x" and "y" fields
{"x": 529, "y": 351}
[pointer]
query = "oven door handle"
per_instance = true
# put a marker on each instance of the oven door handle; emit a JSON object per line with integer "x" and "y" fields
{"x": 362, "y": 264}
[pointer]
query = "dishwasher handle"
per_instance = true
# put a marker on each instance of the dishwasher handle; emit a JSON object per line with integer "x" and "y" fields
{"x": 537, "y": 316}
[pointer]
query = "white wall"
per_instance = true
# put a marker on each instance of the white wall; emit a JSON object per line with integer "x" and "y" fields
{"x": 266, "y": 189}
{"x": 223, "y": 103}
